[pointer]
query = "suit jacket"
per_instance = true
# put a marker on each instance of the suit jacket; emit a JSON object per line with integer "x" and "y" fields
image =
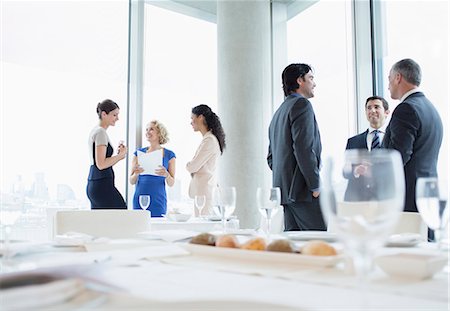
{"x": 202, "y": 168}
{"x": 415, "y": 130}
{"x": 358, "y": 141}
{"x": 356, "y": 186}
{"x": 294, "y": 150}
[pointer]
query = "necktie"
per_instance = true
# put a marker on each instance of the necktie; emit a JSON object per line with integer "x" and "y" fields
{"x": 375, "y": 140}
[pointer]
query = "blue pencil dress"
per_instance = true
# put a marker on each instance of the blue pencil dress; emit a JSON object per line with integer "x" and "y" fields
{"x": 155, "y": 186}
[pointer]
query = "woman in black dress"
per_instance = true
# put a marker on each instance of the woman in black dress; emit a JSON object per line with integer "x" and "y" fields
{"x": 100, "y": 188}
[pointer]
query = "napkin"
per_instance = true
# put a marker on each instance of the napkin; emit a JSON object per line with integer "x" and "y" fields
{"x": 21, "y": 248}
{"x": 42, "y": 291}
{"x": 169, "y": 235}
{"x": 77, "y": 239}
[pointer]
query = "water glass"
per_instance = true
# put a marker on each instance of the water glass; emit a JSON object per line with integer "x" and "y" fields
{"x": 431, "y": 200}
{"x": 224, "y": 203}
{"x": 268, "y": 201}
{"x": 362, "y": 200}
{"x": 144, "y": 201}
{"x": 199, "y": 203}
{"x": 9, "y": 215}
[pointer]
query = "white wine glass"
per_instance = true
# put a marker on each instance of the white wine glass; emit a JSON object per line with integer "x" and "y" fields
{"x": 362, "y": 200}
{"x": 224, "y": 203}
{"x": 9, "y": 215}
{"x": 268, "y": 201}
{"x": 199, "y": 203}
{"x": 431, "y": 200}
{"x": 144, "y": 201}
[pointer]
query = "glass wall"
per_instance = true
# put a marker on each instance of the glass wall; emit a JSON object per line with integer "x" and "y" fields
{"x": 55, "y": 69}
{"x": 180, "y": 72}
{"x": 329, "y": 50}
{"x": 417, "y": 30}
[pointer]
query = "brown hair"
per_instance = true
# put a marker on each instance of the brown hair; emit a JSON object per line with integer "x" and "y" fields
{"x": 107, "y": 106}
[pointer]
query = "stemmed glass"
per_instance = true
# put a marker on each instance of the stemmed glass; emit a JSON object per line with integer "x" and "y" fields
{"x": 431, "y": 199}
{"x": 9, "y": 214}
{"x": 268, "y": 201}
{"x": 362, "y": 201}
{"x": 144, "y": 201}
{"x": 224, "y": 203}
{"x": 199, "y": 203}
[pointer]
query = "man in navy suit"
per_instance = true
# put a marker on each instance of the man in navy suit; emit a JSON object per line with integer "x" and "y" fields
{"x": 377, "y": 110}
{"x": 295, "y": 149}
{"x": 415, "y": 129}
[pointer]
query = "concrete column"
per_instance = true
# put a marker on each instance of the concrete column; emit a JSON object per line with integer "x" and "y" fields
{"x": 244, "y": 99}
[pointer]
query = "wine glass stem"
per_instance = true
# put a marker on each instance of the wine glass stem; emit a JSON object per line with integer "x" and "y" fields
{"x": 268, "y": 226}
{"x": 363, "y": 266}
{"x": 224, "y": 224}
{"x": 437, "y": 237}
{"x": 7, "y": 243}
{"x": 224, "y": 220}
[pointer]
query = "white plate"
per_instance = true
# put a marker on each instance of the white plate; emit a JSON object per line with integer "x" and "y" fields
{"x": 311, "y": 235}
{"x": 404, "y": 240}
{"x": 411, "y": 265}
{"x": 263, "y": 256}
{"x": 217, "y": 218}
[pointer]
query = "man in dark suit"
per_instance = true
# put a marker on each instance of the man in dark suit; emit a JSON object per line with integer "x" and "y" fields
{"x": 415, "y": 129}
{"x": 295, "y": 149}
{"x": 377, "y": 110}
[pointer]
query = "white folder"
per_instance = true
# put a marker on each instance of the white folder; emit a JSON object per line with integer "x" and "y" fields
{"x": 150, "y": 161}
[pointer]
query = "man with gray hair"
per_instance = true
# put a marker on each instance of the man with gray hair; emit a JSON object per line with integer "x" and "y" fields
{"x": 415, "y": 129}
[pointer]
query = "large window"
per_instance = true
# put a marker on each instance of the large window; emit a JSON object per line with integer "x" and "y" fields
{"x": 180, "y": 72}
{"x": 55, "y": 69}
{"x": 417, "y": 30}
{"x": 321, "y": 36}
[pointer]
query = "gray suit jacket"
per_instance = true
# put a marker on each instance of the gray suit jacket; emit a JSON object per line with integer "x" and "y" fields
{"x": 415, "y": 130}
{"x": 294, "y": 150}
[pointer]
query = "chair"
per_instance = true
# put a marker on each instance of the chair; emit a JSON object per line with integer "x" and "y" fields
{"x": 411, "y": 222}
{"x": 103, "y": 223}
{"x": 408, "y": 222}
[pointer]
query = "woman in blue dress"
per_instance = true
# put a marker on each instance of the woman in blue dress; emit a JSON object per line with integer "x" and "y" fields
{"x": 154, "y": 185}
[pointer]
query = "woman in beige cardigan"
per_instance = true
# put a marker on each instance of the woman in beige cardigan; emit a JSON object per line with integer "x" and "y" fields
{"x": 203, "y": 166}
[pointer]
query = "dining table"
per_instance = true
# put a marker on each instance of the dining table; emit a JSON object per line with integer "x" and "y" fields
{"x": 164, "y": 273}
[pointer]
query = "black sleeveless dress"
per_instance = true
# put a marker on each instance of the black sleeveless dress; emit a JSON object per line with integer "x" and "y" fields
{"x": 100, "y": 188}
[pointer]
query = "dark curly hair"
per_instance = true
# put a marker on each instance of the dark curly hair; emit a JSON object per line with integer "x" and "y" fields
{"x": 290, "y": 75}
{"x": 212, "y": 122}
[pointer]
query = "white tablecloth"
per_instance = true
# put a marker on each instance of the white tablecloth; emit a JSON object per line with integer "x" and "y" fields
{"x": 156, "y": 273}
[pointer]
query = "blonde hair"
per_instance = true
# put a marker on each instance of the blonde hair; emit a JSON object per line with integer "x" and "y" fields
{"x": 162, "y": 131}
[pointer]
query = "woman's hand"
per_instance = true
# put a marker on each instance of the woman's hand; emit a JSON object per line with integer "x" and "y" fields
{"x": 122, "y": 151}
{"x": 137, "y": 169}
{"x": 161, "y": 171}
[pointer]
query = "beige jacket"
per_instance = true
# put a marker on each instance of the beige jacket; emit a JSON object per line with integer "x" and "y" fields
{"x": 202, "y": 168}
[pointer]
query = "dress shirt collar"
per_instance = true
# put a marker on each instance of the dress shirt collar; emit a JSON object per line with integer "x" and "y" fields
{"x": 414, "y": 90}
{"x": 381, "y": 129}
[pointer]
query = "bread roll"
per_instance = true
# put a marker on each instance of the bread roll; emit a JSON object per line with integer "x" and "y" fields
{"x": 318, "y": 248}
{"x": 204, "y": 239}
{"x": 227, "y": 240}
{"x": 281, "y": 246}
{"x": 255, "y": 244}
